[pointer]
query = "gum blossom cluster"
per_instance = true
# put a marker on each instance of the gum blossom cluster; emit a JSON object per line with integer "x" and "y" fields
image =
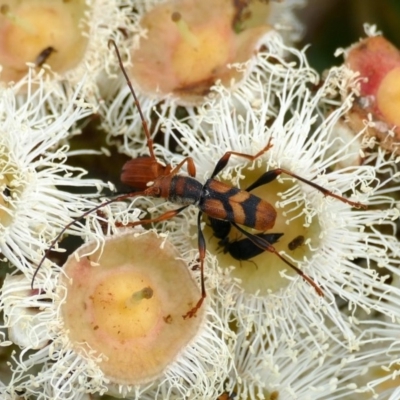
{"x": 310, "y": 312}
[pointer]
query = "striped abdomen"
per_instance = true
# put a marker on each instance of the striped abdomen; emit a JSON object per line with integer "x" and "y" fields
{"x": 225, "y": 202}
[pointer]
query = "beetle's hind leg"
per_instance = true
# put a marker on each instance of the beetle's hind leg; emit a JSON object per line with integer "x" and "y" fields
{"x": 263, "y": 244}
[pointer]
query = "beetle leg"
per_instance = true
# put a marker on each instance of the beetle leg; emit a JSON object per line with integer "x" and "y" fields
{"x": 269, "y": 176}
{"x": 190, "y": 167}
{"x": 167, "y": 215}
{"x": 265, "y": 178}
{"x": 223, "y": 161}
{"x": 263, "y": 244}
{"x": 202, "y": 254}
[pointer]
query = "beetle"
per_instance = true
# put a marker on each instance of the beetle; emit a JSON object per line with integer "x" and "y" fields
{"x": 214, "y": 198}
{"x": 241, "y": 249}
{"x": 44, "y": 55}
{"x": 245, "y": 249}
{"x": 296, "y": 242}
{"x": 254, "y": 244}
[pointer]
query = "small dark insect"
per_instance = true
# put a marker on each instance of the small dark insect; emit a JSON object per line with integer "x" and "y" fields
{"x": 147, "y": 293}
{"x": 274, "y": 395}
{"x": 216, "y": 199}
{"x": 168, "y": 319}
{"x": 296, "y": 242}
{"x": 176, "y": 16}
{"x": 44, "y": 55}
{"x": 7, "y": 191}
{"x": 245, "y": 249}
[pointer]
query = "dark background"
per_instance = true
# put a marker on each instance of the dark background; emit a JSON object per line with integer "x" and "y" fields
{"x": 330, "y": 24}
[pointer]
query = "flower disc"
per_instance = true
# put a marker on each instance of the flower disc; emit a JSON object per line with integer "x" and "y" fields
{"x": 127, "y": 302}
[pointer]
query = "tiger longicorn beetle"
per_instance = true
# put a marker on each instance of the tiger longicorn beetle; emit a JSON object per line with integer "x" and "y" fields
{"x": 214, "y": 198}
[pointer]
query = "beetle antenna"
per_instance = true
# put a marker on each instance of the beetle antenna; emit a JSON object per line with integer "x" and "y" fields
{"x": 139, "y": 108}
{"x": 121, "y": 197}
{"x": 74, "y": 221}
